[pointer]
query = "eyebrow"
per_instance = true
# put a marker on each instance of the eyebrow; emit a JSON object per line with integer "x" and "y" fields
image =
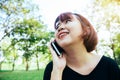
{"x": 62, "y": 17}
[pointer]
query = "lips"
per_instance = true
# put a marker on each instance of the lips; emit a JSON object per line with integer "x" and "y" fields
{"x": 62, "y": 34}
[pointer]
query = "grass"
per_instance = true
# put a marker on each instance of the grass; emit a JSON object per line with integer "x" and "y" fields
{"x": 22, "y": 75}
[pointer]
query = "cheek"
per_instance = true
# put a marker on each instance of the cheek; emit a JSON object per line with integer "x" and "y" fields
{"x": 55, "y": 34}
{"x": 76, "y": 34}
{"x": 77, "y": 30}
{"x": 76, "y": 27}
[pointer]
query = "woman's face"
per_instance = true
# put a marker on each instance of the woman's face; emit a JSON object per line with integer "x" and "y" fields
{"x": 68, "y": 32}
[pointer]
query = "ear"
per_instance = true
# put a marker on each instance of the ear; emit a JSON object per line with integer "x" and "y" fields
{"x": 86, "y": 33}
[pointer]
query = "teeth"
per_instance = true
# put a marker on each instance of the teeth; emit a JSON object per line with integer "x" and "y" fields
{"x": 62, "y": 35}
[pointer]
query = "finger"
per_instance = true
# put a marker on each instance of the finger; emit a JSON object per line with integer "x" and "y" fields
{"x": 64, "y": 55}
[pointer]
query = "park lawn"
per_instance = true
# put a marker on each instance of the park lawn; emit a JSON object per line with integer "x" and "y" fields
{"x": 22, "y": 75}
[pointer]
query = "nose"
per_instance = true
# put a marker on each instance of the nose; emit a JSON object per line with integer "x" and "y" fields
{"x": 62, "y": 27}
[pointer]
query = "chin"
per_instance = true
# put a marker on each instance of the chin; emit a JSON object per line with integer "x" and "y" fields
{"x": 64, "y": 43}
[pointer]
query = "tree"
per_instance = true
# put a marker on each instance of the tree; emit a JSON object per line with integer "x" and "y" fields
{"x": 24, "y": 29}
{"x": 30, "y": 32}
{"x": 109, "y": 20}
{"x": 11, "y": 10}
{"x": 116, "y": 48}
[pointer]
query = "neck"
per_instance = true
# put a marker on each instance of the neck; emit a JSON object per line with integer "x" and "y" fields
{"x": 77, "y": 55}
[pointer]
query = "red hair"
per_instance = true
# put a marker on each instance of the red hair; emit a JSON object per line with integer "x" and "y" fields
{"x": 89, "y": 35}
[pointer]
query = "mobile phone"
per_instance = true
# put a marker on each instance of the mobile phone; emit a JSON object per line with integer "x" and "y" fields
{"x": 57, "y": 48}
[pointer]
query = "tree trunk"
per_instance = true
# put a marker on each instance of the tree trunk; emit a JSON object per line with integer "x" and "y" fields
{"x": 27, "y": 65}
{"x": 37, "y": 62}
{"x": 13, "y": 66}
{"x": 1, "y": 65}
{"x": 114, "y": 56}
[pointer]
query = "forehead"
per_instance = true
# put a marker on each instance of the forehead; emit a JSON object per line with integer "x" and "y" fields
{"x": 64, "y": 16}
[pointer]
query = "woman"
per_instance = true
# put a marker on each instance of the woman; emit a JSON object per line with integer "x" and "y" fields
{"x": 77, "y": 37}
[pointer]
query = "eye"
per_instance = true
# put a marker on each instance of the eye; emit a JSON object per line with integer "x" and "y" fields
{"x": 68, "y": 20}
{"x": 57, "y": 25}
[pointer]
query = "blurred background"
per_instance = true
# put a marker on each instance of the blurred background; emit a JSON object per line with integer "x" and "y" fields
{"x": 26, "y": 26}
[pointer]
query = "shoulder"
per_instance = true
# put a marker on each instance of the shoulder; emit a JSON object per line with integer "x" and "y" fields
{"x": 49, "y": 65}
{"x": 110, "y": 63}
{"x": 48, "y": 70}
{"x": 113, "y": 68}
{"x": 108, "y": 60}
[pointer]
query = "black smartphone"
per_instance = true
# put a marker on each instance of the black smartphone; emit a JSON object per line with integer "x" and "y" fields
{"x": 57, "y": 48}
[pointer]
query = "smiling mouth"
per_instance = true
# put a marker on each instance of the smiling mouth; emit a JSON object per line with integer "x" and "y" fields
{"x": 62, "y": 35}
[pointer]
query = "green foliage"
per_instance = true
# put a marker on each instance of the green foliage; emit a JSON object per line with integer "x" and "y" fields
{"x": 117, "y": 52}
{"x": 13, "y": 11}
{"x": 117, "y": 48}
{"x": 107, "y": 20}
{"x": 25, "y": 31}
{"x": 107, "y": 2}
{"x": 118, "y": 37}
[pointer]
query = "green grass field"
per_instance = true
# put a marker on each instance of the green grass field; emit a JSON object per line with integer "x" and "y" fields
{"x": 22, "y": 75}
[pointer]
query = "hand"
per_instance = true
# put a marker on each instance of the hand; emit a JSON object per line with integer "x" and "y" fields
{"x": 59, "y": 63}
